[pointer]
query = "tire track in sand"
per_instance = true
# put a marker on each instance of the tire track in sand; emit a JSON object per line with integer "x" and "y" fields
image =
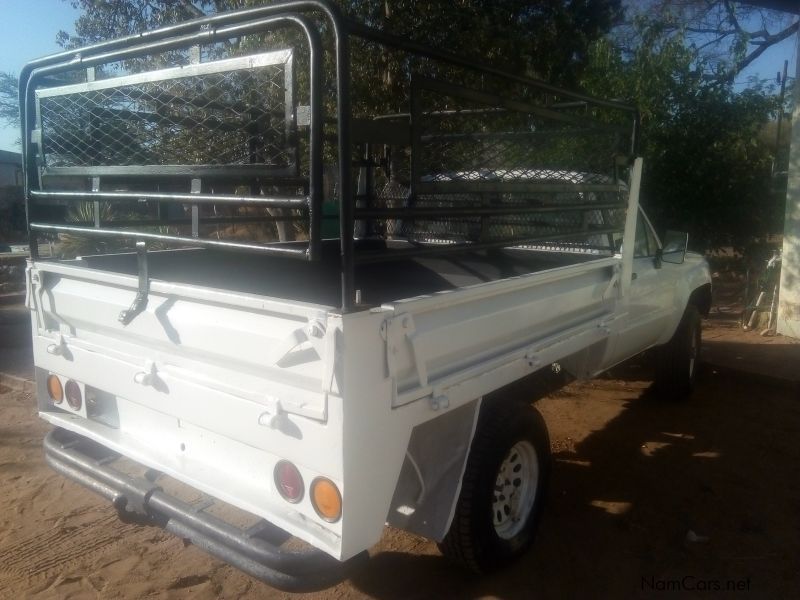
{"x": 54, "y": 549}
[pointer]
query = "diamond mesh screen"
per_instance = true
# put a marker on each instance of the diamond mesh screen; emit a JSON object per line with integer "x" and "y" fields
{"x": 481, "y": 173}
{"x": 571, "y": 219}
{"x": 233, "y": 117}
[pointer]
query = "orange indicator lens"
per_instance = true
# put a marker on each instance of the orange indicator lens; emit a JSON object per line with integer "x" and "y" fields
{"x": 54, "y": 389}
{"x": 326, "y": 499}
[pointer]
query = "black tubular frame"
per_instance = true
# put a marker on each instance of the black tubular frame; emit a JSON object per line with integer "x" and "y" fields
{"x": 256, "y": 551}
{"x": 205, "y": 30}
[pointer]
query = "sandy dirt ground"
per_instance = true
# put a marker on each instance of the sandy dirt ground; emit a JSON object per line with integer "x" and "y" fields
{"x": 644, "y": 496}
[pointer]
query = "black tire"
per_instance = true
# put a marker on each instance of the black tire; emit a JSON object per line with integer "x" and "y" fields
{"x": 678, "y": 359}
{"x": 476, "y": 540}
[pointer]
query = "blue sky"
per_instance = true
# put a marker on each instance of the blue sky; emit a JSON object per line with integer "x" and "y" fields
{"x": 28, "y": 30}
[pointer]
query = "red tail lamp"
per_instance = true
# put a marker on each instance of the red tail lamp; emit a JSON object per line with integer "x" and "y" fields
{"x": 73, "y": 392}
{"x": 289, "y": 481}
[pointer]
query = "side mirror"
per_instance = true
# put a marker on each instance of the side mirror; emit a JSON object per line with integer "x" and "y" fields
{"x": 675, "y": 243}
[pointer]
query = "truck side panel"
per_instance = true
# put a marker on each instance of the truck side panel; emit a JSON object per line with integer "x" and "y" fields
{"x": 434, "y": 343}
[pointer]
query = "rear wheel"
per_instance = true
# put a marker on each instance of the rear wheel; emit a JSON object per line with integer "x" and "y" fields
{"x": 503, "y": 489}
{"x": 677, "y": 360}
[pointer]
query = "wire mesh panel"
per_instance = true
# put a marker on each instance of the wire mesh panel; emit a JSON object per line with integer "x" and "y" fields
{"x": 464, "y": 132}
{"x": 230, "y": 112}
{"x": 351, "y": 133}
{"x": 530, "y": 207}
{"x": 497, "y": 170}
{"x": 201, "y": 154}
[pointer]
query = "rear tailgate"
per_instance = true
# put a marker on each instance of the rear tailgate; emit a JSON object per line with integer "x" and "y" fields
{"x": 209, "y": 386}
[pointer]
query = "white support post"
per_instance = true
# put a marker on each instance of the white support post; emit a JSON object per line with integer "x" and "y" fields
{"x": 789, "y": 300}
{"x": 630, "y": 226}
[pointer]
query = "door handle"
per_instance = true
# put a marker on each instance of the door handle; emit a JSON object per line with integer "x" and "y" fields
{"x": 634, "y": 276}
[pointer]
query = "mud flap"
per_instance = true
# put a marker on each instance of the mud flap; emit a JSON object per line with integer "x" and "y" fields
{"x": 430, "y": 480}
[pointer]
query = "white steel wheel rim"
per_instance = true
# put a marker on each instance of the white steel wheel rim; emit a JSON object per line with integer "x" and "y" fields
{"x": 515, "y": 490}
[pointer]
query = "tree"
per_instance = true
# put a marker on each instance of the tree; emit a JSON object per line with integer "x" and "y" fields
{"x": 100, "y": 21}
{"x": 9, "y": 100}
{"x": 727, "y": 36}
{"x": 549, "y": 38}
{"x": 708, "y": 168}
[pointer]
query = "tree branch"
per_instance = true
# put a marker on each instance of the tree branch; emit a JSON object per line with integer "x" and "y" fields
{"x": 710, "y": 30}
{"x": 767, "y": 43}
{"x": 711, "y": 42}
{"x": 191, "y": 9}
{"x": 732, "y": 18}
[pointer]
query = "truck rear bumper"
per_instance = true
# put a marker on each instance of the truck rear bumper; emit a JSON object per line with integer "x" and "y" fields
{"x": 257, "y": 551}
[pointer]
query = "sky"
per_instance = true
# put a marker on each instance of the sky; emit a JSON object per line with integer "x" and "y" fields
{"x": 28, "y": 30}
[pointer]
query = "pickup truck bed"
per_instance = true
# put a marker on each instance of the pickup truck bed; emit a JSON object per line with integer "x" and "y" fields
{"x": 214, "y": 387}
{"x": 318, "y": 282}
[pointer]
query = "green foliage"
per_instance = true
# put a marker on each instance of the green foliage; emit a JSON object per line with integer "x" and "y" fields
{"x": 710, "y": 173}
{"x": 726, "y": 36}
{"x": 548, "y": 38}
{"x": 107, "y": 19}
{"x": 707, "y": 167}
{"x": 707, "y": 162}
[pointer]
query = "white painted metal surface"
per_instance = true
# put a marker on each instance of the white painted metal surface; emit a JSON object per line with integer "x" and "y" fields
{"x": 214, "y": 387}
{"x": 789, "y": 300}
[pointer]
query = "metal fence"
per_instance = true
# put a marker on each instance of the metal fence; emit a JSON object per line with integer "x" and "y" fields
{"x": 228, "y": 112}
{"x": 181, "y": 135}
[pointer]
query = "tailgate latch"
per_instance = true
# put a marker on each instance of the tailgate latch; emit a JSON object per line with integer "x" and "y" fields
{"x": 59, "y": 348}
{"x": 273, "y": 415}
{"x": 148, "y": 376}
{"x": 140, "y": 301}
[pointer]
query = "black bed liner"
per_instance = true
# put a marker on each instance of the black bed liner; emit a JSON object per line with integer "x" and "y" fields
{"x": 318, "y": 282}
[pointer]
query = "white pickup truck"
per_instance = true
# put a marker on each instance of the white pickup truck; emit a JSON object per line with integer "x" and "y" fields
{"x": 281, "y": 299}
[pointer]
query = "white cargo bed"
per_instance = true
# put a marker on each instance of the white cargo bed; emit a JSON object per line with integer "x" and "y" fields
{"x": 214, "y": 387}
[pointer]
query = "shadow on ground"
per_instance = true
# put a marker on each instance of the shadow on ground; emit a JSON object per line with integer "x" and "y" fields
{"x": 625, "y": 498}
{"x": 16, "y": 357}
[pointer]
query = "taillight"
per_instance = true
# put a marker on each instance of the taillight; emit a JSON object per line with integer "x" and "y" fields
{"x": 326, "y": 499}
{"x": 289, "y": 481}
{"x": 54, "y": 389}
{"x": 73, "y": 393}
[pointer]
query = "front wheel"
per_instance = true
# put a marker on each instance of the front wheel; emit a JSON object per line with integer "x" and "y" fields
{"x": 677, "y": 360}
{"x": 503, "y": 488}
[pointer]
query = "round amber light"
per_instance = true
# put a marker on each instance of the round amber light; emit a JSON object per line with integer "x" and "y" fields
{"x": 73, "y": 393}
{"x": 326, "y": 499}
{"x": 54, "y": 389}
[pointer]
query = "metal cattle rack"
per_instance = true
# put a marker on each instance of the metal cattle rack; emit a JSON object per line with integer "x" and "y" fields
{"x": 272, "y": 115}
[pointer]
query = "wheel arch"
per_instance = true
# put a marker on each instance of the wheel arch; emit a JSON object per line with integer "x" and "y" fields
{"x": 701, "y": 298}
